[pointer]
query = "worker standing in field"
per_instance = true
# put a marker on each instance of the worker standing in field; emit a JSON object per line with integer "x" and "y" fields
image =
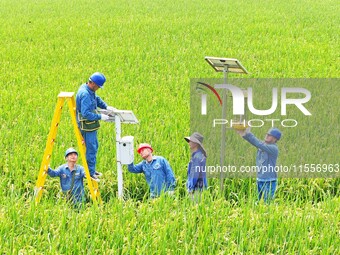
{"x": 267, "y": 153}
{"x": 71, "y": 177}
{"x": 88, "y": 118}
{"x": 196, "y": 178}
{"x": 157, "y": 171}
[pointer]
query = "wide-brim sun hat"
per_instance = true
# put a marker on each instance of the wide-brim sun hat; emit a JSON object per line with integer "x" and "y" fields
{"x": 197, "y": 138}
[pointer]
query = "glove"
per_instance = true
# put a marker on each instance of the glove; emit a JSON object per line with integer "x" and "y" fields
{"x": 104, "y": 117}
{"x": 111, "y": 109}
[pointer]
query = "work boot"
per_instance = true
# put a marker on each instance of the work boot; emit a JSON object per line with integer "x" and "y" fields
{"x": 95, "y": 178}
{"x": 98, "y": 174}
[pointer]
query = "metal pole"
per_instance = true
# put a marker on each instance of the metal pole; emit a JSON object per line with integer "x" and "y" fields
{"x": 119, "y": 165}
{"x": 224, "y": 128}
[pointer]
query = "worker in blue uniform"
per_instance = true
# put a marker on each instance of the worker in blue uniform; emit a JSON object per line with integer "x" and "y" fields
{"x": 266, "y": 157}
{"x": 88, "y": 118}
{"x": 71, "y": 177}
{"x": 157, "y": 171}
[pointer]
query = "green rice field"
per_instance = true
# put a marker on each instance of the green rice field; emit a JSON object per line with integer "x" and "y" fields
{"x": 149, "y": 52}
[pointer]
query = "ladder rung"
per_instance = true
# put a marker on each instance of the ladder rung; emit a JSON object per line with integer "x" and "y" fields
{"x": 66, "y": 94}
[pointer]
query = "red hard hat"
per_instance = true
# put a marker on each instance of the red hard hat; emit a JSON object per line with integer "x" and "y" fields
{"x": 143, "y": 146}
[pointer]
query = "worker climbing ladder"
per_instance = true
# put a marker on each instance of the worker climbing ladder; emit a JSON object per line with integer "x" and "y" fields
{"x": 92, "y": 184}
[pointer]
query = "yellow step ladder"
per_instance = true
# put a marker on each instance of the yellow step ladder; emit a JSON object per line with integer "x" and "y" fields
{"x": 92, "y": 184}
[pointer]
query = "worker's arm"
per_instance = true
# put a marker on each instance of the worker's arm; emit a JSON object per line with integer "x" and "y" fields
{"x": 269, "y": 148}
{"x": 136, "y": 169}
{"x": 53, "y": 173}
{"x": 100, "y": 103}
{"x": 87, "y": 109}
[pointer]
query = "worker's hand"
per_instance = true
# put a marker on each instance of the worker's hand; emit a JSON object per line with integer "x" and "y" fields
{"x": 241, "y": 132}
{"x": 104, "y": 117}
{"x": 111, "y": 109}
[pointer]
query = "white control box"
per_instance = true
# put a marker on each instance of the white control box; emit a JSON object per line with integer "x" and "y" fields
{"x": 126, "y": 150}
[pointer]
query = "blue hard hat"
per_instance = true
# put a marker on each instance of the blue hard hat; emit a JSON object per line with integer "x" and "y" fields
{"x": 98, "y": 78}
{"x": 275, "y": 132}
{"x": 70, "y": 150}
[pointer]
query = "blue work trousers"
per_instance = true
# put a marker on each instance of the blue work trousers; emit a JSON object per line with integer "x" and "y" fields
{"x": 266, "y": 190}
{"x": 91, "y": 142}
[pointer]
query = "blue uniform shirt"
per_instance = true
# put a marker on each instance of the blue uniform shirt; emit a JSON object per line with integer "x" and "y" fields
{"x": 65, "y": 175}
{"x": 265, "y": 158}
{"x": 158, "y": 174}
{"x": 197, "y": 179}
{"x": 87, "y": 102}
